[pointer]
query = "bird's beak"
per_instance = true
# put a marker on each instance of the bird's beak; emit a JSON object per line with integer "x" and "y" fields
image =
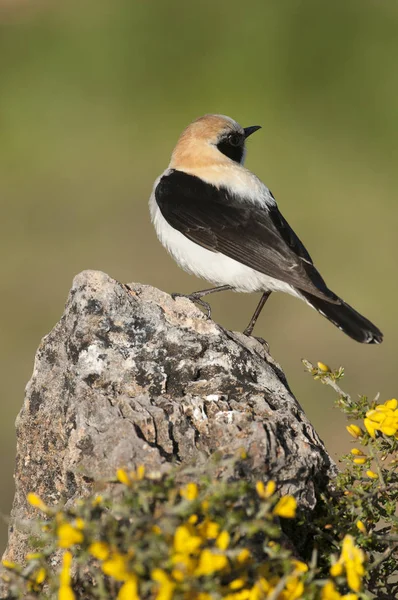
{"x": 249, "y": 130}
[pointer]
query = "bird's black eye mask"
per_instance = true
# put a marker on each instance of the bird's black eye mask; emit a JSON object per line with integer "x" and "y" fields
{"x": 233, "y": 146}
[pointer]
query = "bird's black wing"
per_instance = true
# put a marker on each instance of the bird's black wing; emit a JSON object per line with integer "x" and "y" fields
{"x": 258, "y": 238}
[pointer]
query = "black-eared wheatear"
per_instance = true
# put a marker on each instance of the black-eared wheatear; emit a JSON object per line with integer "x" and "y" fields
{"x": 221, "y": 223}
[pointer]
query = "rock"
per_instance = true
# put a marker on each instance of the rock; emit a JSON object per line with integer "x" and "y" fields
{"x": 129, "y": 376}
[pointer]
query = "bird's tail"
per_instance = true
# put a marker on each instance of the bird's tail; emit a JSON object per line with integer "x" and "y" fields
{"x": 347, "y": 319}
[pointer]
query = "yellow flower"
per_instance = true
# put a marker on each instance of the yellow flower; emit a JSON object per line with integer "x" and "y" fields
{"x": 222, "y": 541}
{"x": 294, "y": 589}
{"x": 336, "y": 569}
{"x": 243, "y": 556}
{"x": 79, "y": 523}
{"x": 177, "y": 575}
{"x": 189, "y": 491}
{"x": 65, "y": 591}
{"x": 123, "y": 477}
{"x": 166, "y": 585}
{"x": 371, "y": 427}
{"x": 208, "y": 529}
{"x": 205, "y": 505}
{"x": 299, "y": 566}
{"x": 128, "y": 478}
{"x": 99, "y": 550}
{"x": 40, "y": 575}
{"x": 270, "y": 488}
{"x": 156, "y": 529}
{"x": 33, "y": 555}
{"x": 323, "y": 367}
{"x": 360, "y": 460}
{"x": 361, "y": 527}
{"x": 236, "y": 584}
{"x": 265, "y": 491}
{"x": 185, "y": 540}
{"x": 68, "y": 536}
{"x": 8, "y": 564}
{"x": 116, "y": 566}
{"x": 37, "y": 502}
{"x": 354, "y": 430}
{"x": 65, "y": 571}
{"x": 97, "y": 500}
{"x": 261, "y": 589}
{"x": 329, "y": 592}
{"x": 140, "y": 472}
{"x": 184, "y": 562}
{"x": 357, "y": 452}
{"x": 383, "y": 418}
{"x": 286, "y": 507}
{"x": 260, "y": 489}
{"x": 186, "y": 543}
{"x": 129, "y": 590}
{"x": 391, "y": 404}
{"x": 210, "y": 562}
{"x": 351, "y": 559}
{"x": 372, "y": 474}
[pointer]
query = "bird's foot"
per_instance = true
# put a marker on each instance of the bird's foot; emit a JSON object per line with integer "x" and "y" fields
{"x": 248, "y": 333}
{"x": 262, "y": 341}
{"x": 197, "y": 300}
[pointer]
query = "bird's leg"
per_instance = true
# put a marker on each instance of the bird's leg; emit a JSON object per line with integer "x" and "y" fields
{"x": 260, "y": 305}
{"x": 197, "y": 296}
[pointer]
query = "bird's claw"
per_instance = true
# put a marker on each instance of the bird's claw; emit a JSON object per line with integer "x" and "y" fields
{"x": 203, "y": 304}
{"x": 262, "y": 341}
{"x": 197, "y": 300}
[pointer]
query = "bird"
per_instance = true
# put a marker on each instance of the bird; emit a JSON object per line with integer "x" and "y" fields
{"x": 220, "y": 222}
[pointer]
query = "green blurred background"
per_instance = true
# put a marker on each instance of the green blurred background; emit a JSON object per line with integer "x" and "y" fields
{"x": 93, "y": 96}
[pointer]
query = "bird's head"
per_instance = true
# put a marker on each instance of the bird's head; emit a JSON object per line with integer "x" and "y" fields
{"x": 212, "y": 139}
